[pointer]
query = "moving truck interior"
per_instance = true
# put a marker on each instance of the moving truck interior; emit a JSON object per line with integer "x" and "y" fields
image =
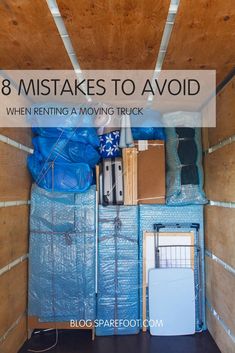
{"x": 121, "y": 214}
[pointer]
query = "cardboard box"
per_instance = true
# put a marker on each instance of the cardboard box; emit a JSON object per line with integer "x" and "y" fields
{"x": 151, "y": 171}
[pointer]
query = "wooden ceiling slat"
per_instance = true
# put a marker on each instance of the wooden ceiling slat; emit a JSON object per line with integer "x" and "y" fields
{"x": 203, "y": 37}
{"x": 115, "y": 34}
{"x": 29, "y": 38}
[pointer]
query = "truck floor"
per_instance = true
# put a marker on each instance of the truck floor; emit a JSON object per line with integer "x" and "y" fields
{"x": 80, "y": 341}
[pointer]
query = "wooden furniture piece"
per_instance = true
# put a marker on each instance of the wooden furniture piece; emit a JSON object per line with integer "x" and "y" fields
{"x": 129, "y": 156}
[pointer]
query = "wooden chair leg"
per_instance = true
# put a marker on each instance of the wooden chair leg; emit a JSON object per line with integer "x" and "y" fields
{"x": 93, "y": 333}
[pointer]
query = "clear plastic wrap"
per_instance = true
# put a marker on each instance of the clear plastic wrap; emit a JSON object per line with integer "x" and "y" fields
{"x": 184, "y": 167}
{"x": 62, "y": 256}
{"x": 151, "y": 214}
{"x": 118, "y": 271}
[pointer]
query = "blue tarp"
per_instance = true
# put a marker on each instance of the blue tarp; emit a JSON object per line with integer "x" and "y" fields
{"x": 118, "y": 292}
{"x": 63, "y": 150}
{"x": 63, "y": 158}
{"x": 84, "y": 135}
{"x": 62, "y": 256}
{"x": 60, "y": 176}
{"x": 149, "y": 119}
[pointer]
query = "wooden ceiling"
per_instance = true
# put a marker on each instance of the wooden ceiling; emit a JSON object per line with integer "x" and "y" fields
{"x": 203, "y": 37}
{"x": 115, "y": 34}
{"x": 29, "y": 38}
{"x": 118, "y": 34}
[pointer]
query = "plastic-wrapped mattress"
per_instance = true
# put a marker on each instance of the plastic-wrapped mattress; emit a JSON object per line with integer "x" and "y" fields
{"x": 62, "y": 256}
{"x": 118, "y": 292}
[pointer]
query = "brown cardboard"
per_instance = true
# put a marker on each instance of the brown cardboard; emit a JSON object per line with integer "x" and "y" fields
{"x": 151, "y": 173}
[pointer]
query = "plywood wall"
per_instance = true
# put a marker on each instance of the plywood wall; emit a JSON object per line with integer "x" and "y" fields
{"x": 223, "y": 341}
{"x": 220, "y": 221}
{"x": 22, "y": 135}
{"x": 13, "y": 296}
{"x": 14, "y": 176}
{"x": 18, "y": 335}
{"x": 15, "y": 184}
{"x": 220, "y": 287}
{"x": 219, "y": 229}
{"x": 220, "y": 174}
{"x": 14, "y": 230}
{"x": 225, "y": 114}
